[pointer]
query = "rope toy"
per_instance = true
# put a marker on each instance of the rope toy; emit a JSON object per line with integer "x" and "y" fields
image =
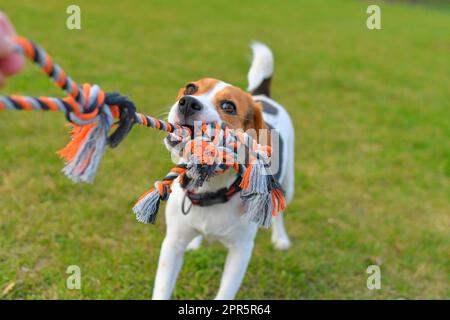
{"x": 90, "y": 111}
{"x": 210, "y": 149}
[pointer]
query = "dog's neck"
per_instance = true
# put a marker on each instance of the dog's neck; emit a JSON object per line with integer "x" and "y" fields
{"x": 218, "y": 182}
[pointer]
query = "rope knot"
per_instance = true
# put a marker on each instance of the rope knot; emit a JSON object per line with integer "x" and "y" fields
{"x": 87, "y": 105}
{"x": 201, "y": 151}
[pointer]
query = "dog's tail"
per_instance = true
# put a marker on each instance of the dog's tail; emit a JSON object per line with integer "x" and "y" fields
{"x": 260, "y": 73}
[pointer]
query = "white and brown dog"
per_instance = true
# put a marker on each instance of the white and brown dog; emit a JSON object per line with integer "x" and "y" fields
{"x": 216, "y": 209}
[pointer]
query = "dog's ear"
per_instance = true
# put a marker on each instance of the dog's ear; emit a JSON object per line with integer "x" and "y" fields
{"x": 180, "y": 93}
{"x": 258, "y": 120}
{"x": 262, "y": 132}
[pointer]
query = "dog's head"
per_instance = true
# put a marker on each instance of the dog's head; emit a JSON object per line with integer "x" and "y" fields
{"x": 210, "y": 100}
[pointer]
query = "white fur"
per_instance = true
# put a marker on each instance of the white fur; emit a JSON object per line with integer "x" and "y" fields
{"x": 283, "y": 124}
{"x": 208, "y": 113}
{"x": 222, "y": 222}
{"x": 262, "y": 65}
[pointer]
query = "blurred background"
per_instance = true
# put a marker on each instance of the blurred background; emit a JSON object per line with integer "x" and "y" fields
{"x": 371, "y": 112}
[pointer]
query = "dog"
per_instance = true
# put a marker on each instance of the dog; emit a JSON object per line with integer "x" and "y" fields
{"x": 215, "y": 208}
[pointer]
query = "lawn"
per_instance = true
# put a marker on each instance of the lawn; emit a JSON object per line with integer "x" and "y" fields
{"x": 372, "y": 116}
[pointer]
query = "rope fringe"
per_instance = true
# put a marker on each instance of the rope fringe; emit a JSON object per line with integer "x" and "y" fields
{"x": 146, "y": 208}
{"x": 84, "y": 165}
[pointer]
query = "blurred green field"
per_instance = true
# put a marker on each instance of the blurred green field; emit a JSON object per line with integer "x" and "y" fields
{"x": 371, "y": 111}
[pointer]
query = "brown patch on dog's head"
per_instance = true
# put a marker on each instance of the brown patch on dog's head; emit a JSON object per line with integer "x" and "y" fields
{"x": 235, "y": 107}
{"x": 197, "y": 88}
{"x": 248, "y": 113}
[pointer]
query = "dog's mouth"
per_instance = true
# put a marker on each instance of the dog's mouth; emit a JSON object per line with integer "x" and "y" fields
{"x": 196, "y": 119}
{"x": 197, "y": 123}
{"x": 190, "y": 121}
{"x": 186, "y": 123}
{"x": 172, "y": 140}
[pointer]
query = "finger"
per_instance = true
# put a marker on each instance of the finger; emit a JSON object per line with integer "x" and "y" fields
{"x": 6, "y": 46}
{"x": 2, "y": 79}
{"x": 11, "y": 64}
{"x": 6, "y": 26}
{"x": 7, "y": 32}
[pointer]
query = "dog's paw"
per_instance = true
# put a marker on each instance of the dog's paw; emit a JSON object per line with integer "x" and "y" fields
{"x": 194, "y": 244}
{"x": 281, "y": 243}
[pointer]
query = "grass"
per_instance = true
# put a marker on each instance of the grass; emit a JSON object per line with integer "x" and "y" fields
{"x": 371, "y": 111}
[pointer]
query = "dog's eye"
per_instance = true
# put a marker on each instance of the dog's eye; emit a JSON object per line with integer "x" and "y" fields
{"x": 228, "y": 107}
{"x": 190, "y": 89}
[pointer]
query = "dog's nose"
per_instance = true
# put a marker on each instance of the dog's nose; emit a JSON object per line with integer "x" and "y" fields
{"x": 189, "y": 105}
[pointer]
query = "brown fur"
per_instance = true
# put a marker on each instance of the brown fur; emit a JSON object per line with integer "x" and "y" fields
{"x": 248, "y": 112}
{"x": 203, "y": 86}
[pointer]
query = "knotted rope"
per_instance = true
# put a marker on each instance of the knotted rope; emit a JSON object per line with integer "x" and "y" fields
{"x": 92, "y": 113}
{"x": 213, "y": 152}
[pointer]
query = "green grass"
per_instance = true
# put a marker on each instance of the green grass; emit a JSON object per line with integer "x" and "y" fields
{"x": 371, "y": 111}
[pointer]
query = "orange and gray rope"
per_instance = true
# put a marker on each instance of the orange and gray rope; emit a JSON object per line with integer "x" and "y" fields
{"x": 92, "y": 112}
{"x": 213, "y": 151}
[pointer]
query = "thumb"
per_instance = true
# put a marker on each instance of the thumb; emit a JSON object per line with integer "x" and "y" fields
{"x": 6, "y": 34}
{"x": 10, "y": 62}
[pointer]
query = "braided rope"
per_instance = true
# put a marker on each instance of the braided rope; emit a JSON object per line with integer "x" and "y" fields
{"x": 213, "y": 152}
{"x": 82, "y": 104}
{"x": 92, "y": 112}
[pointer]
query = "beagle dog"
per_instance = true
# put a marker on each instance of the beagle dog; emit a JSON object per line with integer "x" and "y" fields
{"x": 215, "y": 209}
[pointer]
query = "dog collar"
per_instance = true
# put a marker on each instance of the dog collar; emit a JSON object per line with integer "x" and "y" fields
{"x": 206, "y": 199}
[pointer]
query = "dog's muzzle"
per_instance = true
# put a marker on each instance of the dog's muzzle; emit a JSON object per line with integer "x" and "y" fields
{"x": 189, "y": 105}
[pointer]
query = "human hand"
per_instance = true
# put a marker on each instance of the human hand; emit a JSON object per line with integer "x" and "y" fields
{"x": 10, "y": 62}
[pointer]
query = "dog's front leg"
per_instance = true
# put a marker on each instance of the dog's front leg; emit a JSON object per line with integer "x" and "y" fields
{"x": 234, "y": 271}
{"x": 169, "y": 265}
